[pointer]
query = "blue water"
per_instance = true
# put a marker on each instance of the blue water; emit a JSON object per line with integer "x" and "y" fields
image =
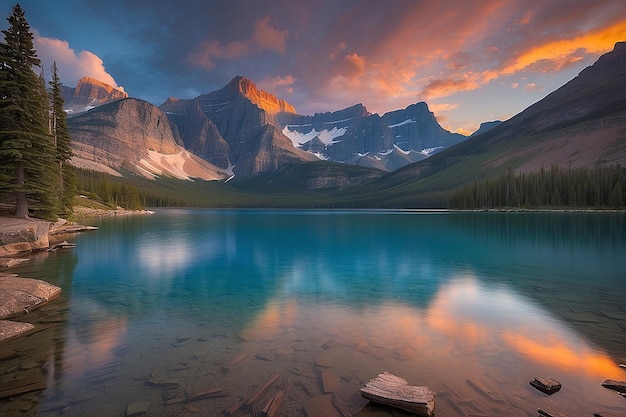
{"x": 474, "y": 305}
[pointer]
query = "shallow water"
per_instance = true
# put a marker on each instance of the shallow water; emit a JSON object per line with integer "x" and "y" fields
{"x": 474, "y": 305}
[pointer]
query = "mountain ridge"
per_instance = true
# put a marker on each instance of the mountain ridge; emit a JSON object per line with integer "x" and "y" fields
{"x": 580, "y": 124}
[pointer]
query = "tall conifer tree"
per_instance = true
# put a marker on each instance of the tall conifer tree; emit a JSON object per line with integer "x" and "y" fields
{"x": 62, "y": 143}
{"x": 26, "y": 151}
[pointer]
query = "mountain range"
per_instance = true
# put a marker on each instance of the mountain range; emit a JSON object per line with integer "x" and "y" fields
{"x": 240, "y": 130}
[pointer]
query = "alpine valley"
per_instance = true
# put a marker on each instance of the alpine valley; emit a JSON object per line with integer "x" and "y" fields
{"x": 248, "y": 140}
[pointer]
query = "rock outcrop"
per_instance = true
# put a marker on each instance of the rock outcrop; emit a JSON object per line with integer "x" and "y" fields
{"x": 17, "y": 236}
{"x": 262, "y": 99}
{"x": 199, "y": 134}
{"x": 244, "y": 118}
{"x": 19, "y": 296}
{"x": 134, "y": 135}
{"x": 88, "y": 94}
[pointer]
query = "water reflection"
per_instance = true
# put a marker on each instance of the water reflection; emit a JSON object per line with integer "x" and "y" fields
{"x": 440, "y": 299}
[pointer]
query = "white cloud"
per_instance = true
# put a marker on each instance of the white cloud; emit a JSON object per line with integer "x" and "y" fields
{"x": 72, "y": 66}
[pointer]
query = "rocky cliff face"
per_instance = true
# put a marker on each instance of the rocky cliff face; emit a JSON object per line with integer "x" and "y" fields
{"x": 134, "y": 135}
{"x": 230, "y": 127}
{"x": 199, "y": 134}
{"x": 88, "y": 94}
{"x": 262, "y": 99}
{"x": 243, "y": 137}
{"x": 355, "y": 136}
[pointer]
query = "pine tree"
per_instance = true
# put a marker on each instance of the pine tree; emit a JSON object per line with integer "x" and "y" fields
{"x": 62, "y": 143}
{"x": 25, "y": 145}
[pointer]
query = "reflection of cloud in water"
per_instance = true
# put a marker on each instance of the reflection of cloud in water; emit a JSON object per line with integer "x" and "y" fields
{"x": 164, "y": 260}
{"x": 466, "y": 322}
{"x": 166, "y": 257}
{"x": 93, "y": 343}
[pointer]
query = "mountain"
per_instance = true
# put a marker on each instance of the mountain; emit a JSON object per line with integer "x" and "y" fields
{"x": 235, "y": 127}
{"x": 355, "y": 136}
{"x": 485, "y": 127}
{"x": 134, "y": 135}
{"x": 88, "y": 94}
{"x": 250, "y": 129}
{"x": 583, "y": 123}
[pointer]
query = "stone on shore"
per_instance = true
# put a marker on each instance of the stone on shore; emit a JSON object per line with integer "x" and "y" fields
{"x": 19, "y": 296}
{"x": 22, "y": 235}
{"x": 12, "y": 329}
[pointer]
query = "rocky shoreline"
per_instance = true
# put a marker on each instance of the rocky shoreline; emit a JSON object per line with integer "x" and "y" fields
{"x": 19, "y": 238}
{"x": 19, "y": 296}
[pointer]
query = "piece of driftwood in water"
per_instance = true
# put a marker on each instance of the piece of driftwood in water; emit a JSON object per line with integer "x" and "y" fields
{"x": 248, "y": 403}
{"x": 61, "y": 245}
{"x": 391, "y": 390}
{"x": 545, "y": 413}
{"x": 546, "y": 385}
{"x": 21, "y": 386}
{"x": 619, "y": 386}
{"x": 210, "y": 393}
{"x": 259, "y": 392}
{"x": 273, "y": 405}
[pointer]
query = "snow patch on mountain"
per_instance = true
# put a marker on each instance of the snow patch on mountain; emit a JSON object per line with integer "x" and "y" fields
{"x": 430, "y": 151}
{"x": 327, "y": 137}
{"x": 407, "y": 121}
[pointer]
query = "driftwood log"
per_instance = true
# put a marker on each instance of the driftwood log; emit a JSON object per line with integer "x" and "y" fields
{"x": 391, "y": 390}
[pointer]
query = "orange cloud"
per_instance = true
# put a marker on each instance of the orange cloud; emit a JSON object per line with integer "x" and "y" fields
{"x": 445, "y": 87}
{"x": 276, "y": 83}
{"x": 354, "y": 66}
{"x": 267, "y": 37}
{"x": 264, "y": 37}
{"x": 558, "y": 54}
{"x": 337, "y": 49}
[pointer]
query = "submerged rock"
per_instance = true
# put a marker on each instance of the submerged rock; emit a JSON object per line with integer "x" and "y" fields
{"x": 546, "y": 385}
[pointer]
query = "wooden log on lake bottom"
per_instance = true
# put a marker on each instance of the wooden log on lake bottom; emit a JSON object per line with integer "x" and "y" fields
{"x": 388, "y": 389}
{"x": 21, "y": 386}
{"x": 544, "y": 413}
{"x": 259, "y": 392}
{"x": 273, "y": 405}
{"x": 210, "y": 393}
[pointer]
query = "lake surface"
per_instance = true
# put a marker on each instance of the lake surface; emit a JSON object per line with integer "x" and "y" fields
{"x": 474, "y": 305}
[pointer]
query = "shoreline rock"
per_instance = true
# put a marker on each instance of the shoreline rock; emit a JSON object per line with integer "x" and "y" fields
{"x": 19, "y": 296}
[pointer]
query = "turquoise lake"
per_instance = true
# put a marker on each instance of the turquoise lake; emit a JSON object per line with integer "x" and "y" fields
{"x": 156, "y": 309}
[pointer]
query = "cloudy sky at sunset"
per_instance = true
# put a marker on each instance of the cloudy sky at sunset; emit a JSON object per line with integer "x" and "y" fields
{"x": 471, "y": 61}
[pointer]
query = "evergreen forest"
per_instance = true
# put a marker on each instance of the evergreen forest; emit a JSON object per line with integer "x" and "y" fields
{"x": 35, "y": 146}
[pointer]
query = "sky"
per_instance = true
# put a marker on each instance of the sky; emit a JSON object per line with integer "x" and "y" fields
{"x": 471, "y": 61}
